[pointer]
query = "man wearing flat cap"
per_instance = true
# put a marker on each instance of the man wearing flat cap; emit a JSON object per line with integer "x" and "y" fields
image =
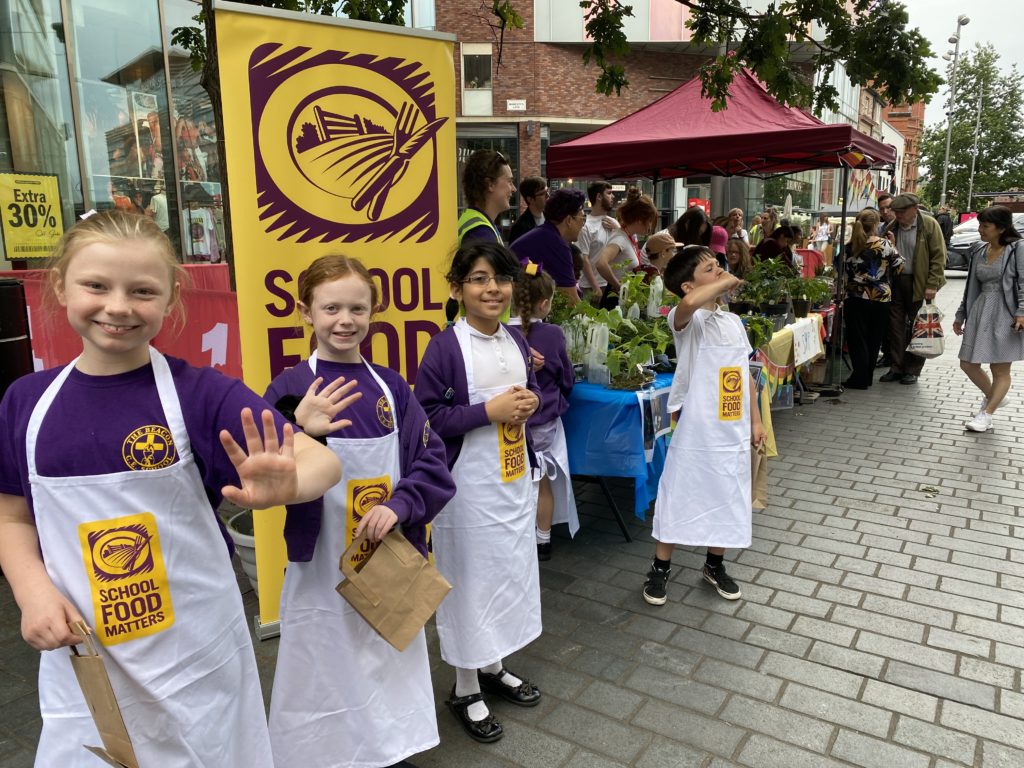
{"x": 919, "y": 241}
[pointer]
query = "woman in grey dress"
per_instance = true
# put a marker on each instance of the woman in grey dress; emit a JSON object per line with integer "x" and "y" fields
{"x": 991, "y": 315}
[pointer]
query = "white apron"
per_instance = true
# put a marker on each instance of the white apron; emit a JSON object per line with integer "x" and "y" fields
{"x": 484, "y": 543}
{"x": 342, "y": 695}
{"x": 141, "y": 556}
{"x": 554, "y": 461}
{"x": 704, "y": 491}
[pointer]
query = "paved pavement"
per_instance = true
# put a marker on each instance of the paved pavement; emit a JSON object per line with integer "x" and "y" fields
{"x": 881, "y": 625}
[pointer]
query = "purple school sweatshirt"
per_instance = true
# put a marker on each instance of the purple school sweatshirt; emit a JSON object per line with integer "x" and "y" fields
{"x": 426, "y": 484}
{"x": 443, "y": 391}
{"x": 556, "y": 378}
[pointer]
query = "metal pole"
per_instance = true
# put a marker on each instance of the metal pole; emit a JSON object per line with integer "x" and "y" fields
{"x": 961, "y": 21}
{"x": 974, "y": 150}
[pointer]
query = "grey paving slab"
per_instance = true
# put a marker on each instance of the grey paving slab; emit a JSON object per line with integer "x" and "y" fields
{"x": 881, "y": 625}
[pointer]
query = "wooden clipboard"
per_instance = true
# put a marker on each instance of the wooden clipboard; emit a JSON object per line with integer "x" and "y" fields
{"x": 95, "y": 684}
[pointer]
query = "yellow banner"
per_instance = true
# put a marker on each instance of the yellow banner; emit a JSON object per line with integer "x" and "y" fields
{"x": 32, "y": 218}
{"x": 340, "y": 138}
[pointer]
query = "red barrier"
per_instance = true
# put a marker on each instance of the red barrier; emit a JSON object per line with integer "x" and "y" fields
{"x": 812, "y": 259}
{"x": 209, "y": 336}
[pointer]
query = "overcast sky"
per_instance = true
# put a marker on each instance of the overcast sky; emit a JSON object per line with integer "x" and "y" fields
{"x": 998, "y": 22}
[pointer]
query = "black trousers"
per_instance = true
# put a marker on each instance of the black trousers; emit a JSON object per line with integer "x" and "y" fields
{"x": 902, "y": 312}
{"x": 866, "y": 324}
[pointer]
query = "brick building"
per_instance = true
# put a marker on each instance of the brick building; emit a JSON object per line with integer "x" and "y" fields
{"x": 541, "y": 92}
{"x": 908, "y": 119}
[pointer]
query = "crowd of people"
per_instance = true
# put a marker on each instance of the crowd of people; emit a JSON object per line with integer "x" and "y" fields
{"x": 478, "y": 452}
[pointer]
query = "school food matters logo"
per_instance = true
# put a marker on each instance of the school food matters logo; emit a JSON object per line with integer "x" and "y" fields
{"x": 364, "y": 495}
{"x": 345, "y": 145}
{"x": 511, "y": 451}
{"x": 131, "y": 596}
{"x": 730, "y": 394}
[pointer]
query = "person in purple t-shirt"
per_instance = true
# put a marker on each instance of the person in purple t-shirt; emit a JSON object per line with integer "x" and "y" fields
{"x": 548, "y": 244}
{"x": 110, "y": 471}
{"x": 368, "y": 704}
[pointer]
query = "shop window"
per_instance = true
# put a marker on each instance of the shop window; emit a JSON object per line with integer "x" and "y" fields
{"x": 125, "y": 125}
{"x": 195, "y": 133}
{"x": 476, "y": 80}
{"x": 35, "y": 102}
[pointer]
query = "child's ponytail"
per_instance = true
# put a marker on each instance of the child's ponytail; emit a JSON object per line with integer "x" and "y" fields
{"x": 532, "y": 287}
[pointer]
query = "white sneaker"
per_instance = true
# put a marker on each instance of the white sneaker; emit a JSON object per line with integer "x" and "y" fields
{"x": 980, "y": 423}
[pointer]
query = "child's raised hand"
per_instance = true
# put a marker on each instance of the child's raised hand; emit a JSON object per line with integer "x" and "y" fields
{"x": 267, "y": 472}
{"x": 728, "y": 281}
{"x": 377, "y": 522}
{"x": 316, "y": 411}
{"x": 45, "y": 620}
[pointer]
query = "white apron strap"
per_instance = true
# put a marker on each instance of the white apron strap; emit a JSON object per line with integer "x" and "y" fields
{"x": 39, "y": 412}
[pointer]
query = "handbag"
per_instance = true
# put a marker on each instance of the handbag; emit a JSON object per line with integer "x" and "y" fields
{"x": 926, "y": 338}
{"x": 99, "y": 695}
{"x": 396, "y": 590}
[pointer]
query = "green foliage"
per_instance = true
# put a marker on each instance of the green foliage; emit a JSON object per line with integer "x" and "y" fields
{"x": 759, "y": 329}
{"x": 768, "y": 282}
{"x": 870, "y": 37}
{"x": 631, "y": 342}
{"x": 815, "y": 289}
{"x": 510, "y": 18}
{"x": 382, "y": 11}
{"x": 604, "y": 20}
{"x": 1000, "y": 162}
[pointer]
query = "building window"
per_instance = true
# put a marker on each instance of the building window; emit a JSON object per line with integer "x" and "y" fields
{"x": 476, "y": 80}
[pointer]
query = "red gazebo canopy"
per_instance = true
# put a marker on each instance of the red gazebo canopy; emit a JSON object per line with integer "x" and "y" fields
{"x": 679, "y": 135}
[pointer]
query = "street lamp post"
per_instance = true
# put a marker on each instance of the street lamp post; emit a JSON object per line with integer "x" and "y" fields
{"x": 960, "y": 22}
{"x": 974, "y": 149}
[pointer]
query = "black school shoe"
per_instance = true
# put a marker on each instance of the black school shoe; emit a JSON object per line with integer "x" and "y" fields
{"x": 721, "y": 581}
{"x": 526, "y": 694}
{"x": 486, "y": 730}
{"x": 654, "y": 586}
{"x": 543, "y": 551}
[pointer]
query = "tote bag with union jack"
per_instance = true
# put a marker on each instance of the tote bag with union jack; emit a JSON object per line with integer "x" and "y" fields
{"x": 926, "y": 337}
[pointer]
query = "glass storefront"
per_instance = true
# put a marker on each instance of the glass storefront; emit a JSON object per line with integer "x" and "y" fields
{"x": 94, "y": 93}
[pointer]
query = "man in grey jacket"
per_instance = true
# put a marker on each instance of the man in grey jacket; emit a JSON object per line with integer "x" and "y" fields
{"x": 919, "y": 241}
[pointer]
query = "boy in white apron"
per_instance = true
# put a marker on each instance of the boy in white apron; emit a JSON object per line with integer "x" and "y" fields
{"x": 704, "y": 495}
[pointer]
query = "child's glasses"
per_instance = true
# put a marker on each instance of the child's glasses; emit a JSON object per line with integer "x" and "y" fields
{"x": 485, "y": 280}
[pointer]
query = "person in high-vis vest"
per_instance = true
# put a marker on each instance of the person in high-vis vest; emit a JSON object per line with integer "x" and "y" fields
{"x": 488, "y": 186}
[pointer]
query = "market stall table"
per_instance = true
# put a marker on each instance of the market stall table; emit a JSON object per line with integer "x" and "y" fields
{"x": 604, "y": 432}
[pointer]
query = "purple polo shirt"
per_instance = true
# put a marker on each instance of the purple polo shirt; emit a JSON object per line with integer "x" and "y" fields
{"x": 543, "y": 245}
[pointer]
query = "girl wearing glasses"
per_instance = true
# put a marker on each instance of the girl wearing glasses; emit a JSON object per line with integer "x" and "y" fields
{"x": 477, "y": 386}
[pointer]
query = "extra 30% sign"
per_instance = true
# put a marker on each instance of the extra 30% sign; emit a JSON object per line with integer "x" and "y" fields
{"x": 32, "y": 220}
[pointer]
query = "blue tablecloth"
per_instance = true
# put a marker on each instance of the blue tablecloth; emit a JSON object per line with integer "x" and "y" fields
{"x": 604, "y": 435}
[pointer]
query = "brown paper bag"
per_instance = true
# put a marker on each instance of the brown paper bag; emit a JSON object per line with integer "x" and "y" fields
{"x": 759, "y": 477}
{"x": 395, "y": 590}
{"x": 95, "y": 684}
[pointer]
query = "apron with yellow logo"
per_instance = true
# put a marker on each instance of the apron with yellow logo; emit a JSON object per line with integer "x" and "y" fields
{"x": 140, "y": 554}
{"x": 483, "y": 540}
{"x": 343, "y": 696}
{"x": 704, "y": 494}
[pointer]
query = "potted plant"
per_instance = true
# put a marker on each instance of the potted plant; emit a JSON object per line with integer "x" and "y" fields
{"x": 240, "y": 528}
{"x": 759, "y": 330}
{"x": 769, "y": 281}
{"x": 808, "y": 292}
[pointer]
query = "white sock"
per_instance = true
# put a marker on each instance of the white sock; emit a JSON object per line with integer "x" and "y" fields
{"x": 543, "y": 537}
{"x": 507, "y": 679}
{"x": 466, "y": 684}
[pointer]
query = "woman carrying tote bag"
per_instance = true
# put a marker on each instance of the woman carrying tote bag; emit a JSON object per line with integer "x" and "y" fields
{"x": 991, "y": 315}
